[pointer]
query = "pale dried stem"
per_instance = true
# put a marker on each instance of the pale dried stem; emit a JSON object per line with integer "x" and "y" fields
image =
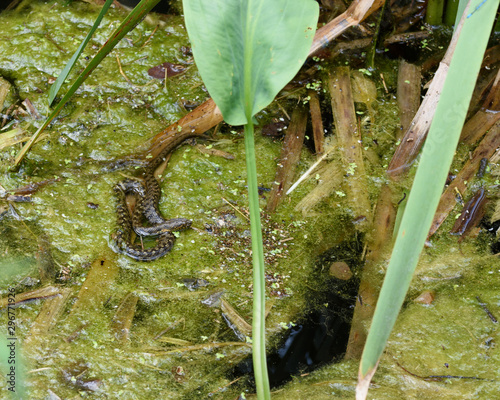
{"x": 349, "y": 142}
{"x": 371, "y": 279}
{"x": 447, "y": 202}
{"x": 290, "y": 156}
{"x": 414, "y": 137}
{"x": 357, "y": 12}
{"x": 409, "y": 81}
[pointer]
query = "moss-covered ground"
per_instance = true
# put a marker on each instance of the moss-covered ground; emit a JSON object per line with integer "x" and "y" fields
{"x": 448, "y": 346}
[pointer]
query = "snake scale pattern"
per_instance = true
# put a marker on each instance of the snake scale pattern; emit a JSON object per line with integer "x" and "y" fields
{"x": 148, "y": 193}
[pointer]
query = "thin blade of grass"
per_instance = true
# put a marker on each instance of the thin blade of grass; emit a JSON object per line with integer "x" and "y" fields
{"x": 135, "y": 16}
{"x": 429, "y": 181}
{"x": 54, "y": 89}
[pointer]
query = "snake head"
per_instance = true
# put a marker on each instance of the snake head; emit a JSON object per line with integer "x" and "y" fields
{"x": 132, "y": 186}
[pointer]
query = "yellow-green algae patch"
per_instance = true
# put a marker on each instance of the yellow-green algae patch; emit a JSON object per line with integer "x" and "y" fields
{"x": 109, "y": 118}
{"x": 446, "y": 349}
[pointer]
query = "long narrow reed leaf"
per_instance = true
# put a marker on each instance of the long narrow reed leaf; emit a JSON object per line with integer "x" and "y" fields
{"x": 54, "y": 89}
{"x": 135, "y": 16}
{"x": 429, "y": 181}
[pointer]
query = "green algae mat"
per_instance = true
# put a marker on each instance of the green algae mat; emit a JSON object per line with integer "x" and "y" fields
{"x": 90, "y": 323}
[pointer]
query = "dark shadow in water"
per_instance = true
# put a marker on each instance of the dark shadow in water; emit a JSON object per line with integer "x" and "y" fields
{"x": 322, "y": 334}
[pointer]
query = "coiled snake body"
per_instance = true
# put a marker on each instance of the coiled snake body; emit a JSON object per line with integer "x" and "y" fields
{"x": 148, "y": 194}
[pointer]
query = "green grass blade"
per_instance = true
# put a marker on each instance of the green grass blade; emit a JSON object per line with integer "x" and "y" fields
{"x": 429, "y": 181}
{"x": 462, "y": 4}
{"x": 135, "y": 16}
{"x": 268, "y": 39}
{"x": 54, "y": 89}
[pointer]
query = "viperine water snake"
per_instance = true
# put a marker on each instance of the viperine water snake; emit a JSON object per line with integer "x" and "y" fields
{"x": 148, "y": 193}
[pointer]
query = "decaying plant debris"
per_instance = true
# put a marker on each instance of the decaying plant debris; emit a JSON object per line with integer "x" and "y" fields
{"x": 354, "y": 179}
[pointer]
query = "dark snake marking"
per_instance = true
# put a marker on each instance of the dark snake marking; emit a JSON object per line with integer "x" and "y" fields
{"x": 159, "y": 225}
{"x": 148, "y": 193}
{"x": 122, "y": 236}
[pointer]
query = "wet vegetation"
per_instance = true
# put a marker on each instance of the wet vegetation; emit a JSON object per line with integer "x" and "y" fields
{"x": 91, "y": 323}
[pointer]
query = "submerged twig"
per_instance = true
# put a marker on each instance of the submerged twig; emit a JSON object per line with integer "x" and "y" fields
{"x": 290, "y": 155}
{"x": 439, "y": 378}
{"x": 486, "y": 310}
{"x": 33, "y": 187}
{"x": 306, "y": 174}
{"x": 122, "y": 320}
{"x": 409, "y": 81}
{"x": 46, "y": 265}
{"x": 204, "y": 346}
{"x": 316, "y": 122}
{"x": 485, "y": 117}
{"x": 94, "y": 291}
{"x": 123, "y": 73}
{"x": 406, "y": 37}
{"x": 236, "y": 322}
{"x": 349, "y": 140}
{"x": 447, "y": 202}
{"x": 197, "y": 122}
{"x": 46, "y": 319}
{"x": 371, "y": 279}
{"x": 236, "y": 209}
{"x": 414, "y": 137}
{"x": 225, "y": 386}
{"x": 330, "y": 178}
{"x": 214, "y": 152}
{"x": 172, "y": 326}
{"x": 37, "y": 294}
{"x": 471, "y": 215}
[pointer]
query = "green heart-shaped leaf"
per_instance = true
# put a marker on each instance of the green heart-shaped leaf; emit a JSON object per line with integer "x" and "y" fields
{"x": 247, "y": 50}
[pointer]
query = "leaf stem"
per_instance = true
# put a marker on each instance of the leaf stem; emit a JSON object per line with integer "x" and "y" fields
{"x": 259, "y": 288}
